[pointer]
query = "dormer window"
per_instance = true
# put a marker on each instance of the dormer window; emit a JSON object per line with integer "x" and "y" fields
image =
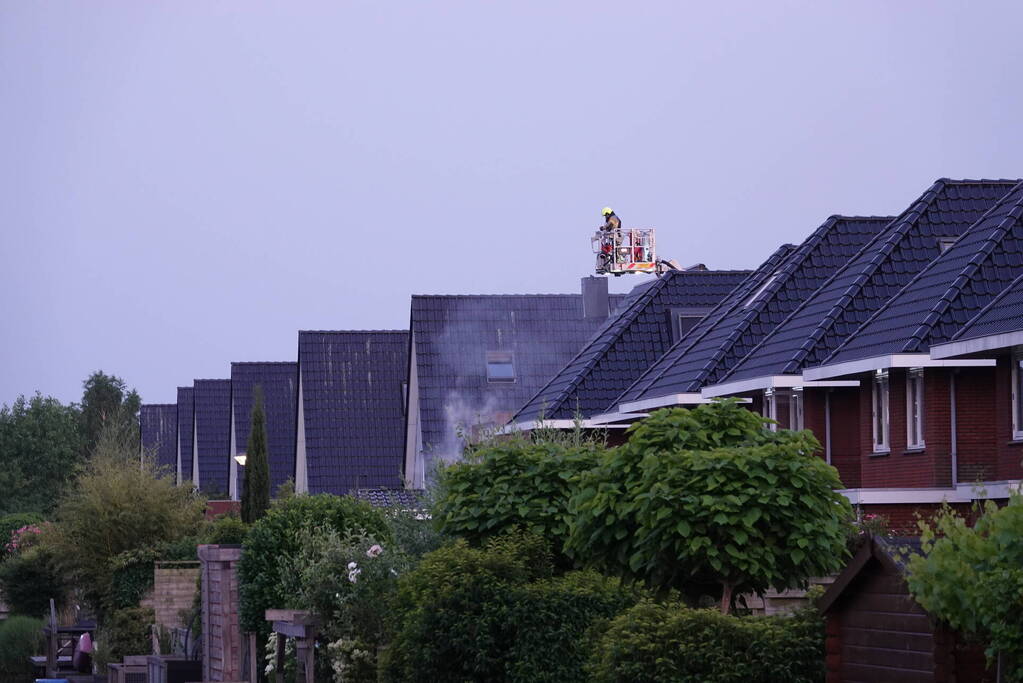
{"x": 682, "y": 320}
{"x": 945, "y": 243}
{"x": 500, "y": 367}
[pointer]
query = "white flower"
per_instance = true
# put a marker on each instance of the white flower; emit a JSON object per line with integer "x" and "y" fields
{"x": 353, "y": 575}
{"x": 352, "y": 565}
{"x": 374, "y": 550}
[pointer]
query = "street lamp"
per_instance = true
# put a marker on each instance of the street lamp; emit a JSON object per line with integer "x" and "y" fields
{"x": 240, "y": 459}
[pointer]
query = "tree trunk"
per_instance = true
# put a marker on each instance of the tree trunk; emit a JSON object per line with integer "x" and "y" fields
{"x": 726, "y": 597}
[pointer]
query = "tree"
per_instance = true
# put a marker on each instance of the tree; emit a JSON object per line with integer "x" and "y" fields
{"x": 107, "y": 404}
{"x": 972, "y": 578}
{"x": 710, "y": 497}
{"x": 40, "y": 449}
{"x": 256, "y": 483}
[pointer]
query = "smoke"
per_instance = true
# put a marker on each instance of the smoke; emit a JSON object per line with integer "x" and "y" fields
{"x": 466, "y": 421}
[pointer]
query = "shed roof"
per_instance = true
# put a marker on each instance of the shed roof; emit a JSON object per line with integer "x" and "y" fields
{"x": 158, "y": 427}
{"x": 629, "y": 343}
{"x": 279, "y": 382}
{"x": 353, "y": 407}
{"x": 892, "y": 553}
{"x": 213, "y": 433}
{"x": 818, "y": 325}
{"x": 186, "y": 423}
{"x": 949, "y": 291}
{"x": 706, "y": 359}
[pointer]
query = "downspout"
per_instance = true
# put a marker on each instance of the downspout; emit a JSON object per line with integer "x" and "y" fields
{"x": 827, "y": 426}
{"x": 954, "y": 435}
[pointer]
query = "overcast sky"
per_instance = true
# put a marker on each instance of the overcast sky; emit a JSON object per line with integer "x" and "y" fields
{"x": 186, "y": 184}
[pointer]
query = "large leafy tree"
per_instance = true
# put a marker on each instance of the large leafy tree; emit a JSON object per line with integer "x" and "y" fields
{"x": 40, "y": 448}
{"x": 972, "y": 577}
{"x": 256, "y": 486}
{"x": 109, "y": 409}
{"x": 710, "y": 497}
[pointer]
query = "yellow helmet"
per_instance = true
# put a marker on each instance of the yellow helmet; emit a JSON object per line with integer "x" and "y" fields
{"x": 607, "y": 211}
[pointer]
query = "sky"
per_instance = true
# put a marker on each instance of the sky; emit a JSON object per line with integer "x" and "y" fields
{"x": 186, "y": 184}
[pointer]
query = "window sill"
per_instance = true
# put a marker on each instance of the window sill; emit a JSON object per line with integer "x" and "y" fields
{"x": 1016, "y": 442}
{"x": 915, "y": 450}
{"x": 879, "y": 454}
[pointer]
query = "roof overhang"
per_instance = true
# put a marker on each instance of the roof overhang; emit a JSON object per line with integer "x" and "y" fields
{"x": 611, "y": 418}
{"x": 895, "y": 360}
{"x": 978, "y": 345}
{"x": 687, "y": 399}
{"x": 530, "y": 425}
{"x": 962, "y": 493}
{"x": 770, "y": 382}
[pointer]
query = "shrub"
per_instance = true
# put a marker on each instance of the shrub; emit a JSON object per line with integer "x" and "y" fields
{"x": 125, "y": 632}
{"x": 11, "y": 523}
{"x": 495, "y": 613}
{"x": 276, "y": 535}
{"x": 20, "y": 638}
{"x": 512, "y": 484}
{"x": 670, "y": 642}
{"x": 29, "y": 579}
{"x": 224, "y": 530}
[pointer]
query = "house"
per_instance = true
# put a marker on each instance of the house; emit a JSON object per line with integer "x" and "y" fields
{"x": 772, "y": 373}
{"x": 712, "y": 349}
{"x": 279, "y": 384}
{"x": 655, "y": 315}
{"x": 351, "y": 410}
{"x": 185, "y": 437}
{"x": 211, "y": 437}
{"x": 158, "y": 426}
{"x": 876, "y": 631}
{"x": 475, "y": 360}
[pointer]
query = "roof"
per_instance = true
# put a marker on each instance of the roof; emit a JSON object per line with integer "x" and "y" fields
{"x": 353, "y": 406}
{"x": 811, "y": 332}
{"x": 1003, "y": 315}
{"x": 949, "y": 291}
{"x": 158, "y": 426}
{"x": 213, "y": 434}
{"x": 388, "y": 498}
{"x": 629, "y": 343}
{"x": 186, "y": 421}
{"x": 538, "y": 333}
{"x": 279, "y": 382}
{"x": 890, "y": 553}
{"x": 707, "y": 358}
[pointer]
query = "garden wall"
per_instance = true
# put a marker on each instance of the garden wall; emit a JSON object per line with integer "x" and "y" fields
{"x": 174, "y": 588}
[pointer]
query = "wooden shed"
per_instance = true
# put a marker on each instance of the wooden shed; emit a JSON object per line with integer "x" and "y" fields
{"x": 877, "y": 632}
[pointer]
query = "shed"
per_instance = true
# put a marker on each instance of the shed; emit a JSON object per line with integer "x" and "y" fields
{"x": 877, "y": 632}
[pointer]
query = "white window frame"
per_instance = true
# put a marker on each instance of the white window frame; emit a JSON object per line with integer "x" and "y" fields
{"x": 1017, "y": 398}
{"x": 771, "y": 408}
{"x": 498, "y": 359}
{"x": 915, "y": 408}
{"x": 880, "y": 412}
{"x": 796, "y": 418}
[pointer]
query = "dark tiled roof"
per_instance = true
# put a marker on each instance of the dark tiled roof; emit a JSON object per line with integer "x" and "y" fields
{"x": 213, "y": 433}
{"x": 949, "y": 291}
{"x": 454, "y": 333}
{"x": 628, "y": 344}
{"x": 686, "y": 344}
{"x": 186, "y": 422}
{"x": 158, "y": 425}
{"x": 1004, "y": 314}
{"x": 409, "y": 499}
{"x": 883, "y": 267}
{"x": 353, "y": 405}
{"x": 740, "y": 329}
{"x": 280, "y": 405}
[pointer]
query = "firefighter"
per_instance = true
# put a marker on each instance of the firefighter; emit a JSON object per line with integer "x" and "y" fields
{"x": 611, "y": 222}
{"x": 610, "y": 234}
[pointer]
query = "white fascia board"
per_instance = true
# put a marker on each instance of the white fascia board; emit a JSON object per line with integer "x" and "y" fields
{"x": 896, "y": 360}
{"x": 770, "y": 382}
{"x": 661, "y": 402}
{"x": 610, "y": 418}
{"x": 991, "y": 342}
{"x": 962, "y": 493}
{"x": 530, "y": 425}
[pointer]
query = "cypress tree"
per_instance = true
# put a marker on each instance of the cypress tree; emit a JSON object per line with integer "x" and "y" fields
{"x": 256, "y": 492}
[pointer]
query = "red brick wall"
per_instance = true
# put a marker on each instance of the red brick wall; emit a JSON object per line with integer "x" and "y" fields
{"x": 1009, "y": 452}
{"x": 903, "y": 517}
{"x": 846, "y": 438}
{"x": 976, "y": 415}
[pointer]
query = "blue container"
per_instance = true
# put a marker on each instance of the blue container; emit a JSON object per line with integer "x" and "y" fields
{"x": 52, "y": 680}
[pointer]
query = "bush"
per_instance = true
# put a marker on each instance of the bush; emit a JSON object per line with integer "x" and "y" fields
{"x": 495, "y": 613}
{"x": 11, "y": 523}
{"x": 275, "y": 536}
{"x": 125, "y": 632}
{"x": 225, "y": 530}
{"x": 512, "y": 484}
{"x": 20, "y": 638}
{"x": 28, "y": 580}
{"x": 670, "y": 642}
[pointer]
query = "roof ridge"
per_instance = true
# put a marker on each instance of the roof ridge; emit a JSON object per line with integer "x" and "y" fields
{"x": 344, "y": 332}
{"x": 158, "y": 405}
{"x": 264, "y": 362}
{"x": 980, "y": 181}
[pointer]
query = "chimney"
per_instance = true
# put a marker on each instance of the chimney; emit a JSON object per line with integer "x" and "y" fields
{"x": 596, "y": 302}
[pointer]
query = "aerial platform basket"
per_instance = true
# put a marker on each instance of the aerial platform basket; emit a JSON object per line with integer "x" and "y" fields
{"x": 629, "y": 250}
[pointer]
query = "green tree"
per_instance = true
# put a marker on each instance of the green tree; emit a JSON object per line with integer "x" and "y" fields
{"x": 972, "y": 577}
{"x": 256, "y": 483}
{"x": 705, "y": 498}
{"x": 40, "y": 450}
{"x": 109, "y": 408}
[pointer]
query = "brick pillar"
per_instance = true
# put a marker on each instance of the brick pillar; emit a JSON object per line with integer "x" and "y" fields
{"x": 221, "y": 632}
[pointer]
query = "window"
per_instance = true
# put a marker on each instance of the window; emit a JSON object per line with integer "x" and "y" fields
{"x": 760, "y": 290}
{"x": 500, "y": 366}
{"x": 681, "y": 320}
{"x": 796, "y": 410}
{"x": 771, "y": 408}
{"x": 1017, "y": 398}
{"x": 915, "y": 408}
{"x": 880, "y": 411}
{"x": 945, "y": 242}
